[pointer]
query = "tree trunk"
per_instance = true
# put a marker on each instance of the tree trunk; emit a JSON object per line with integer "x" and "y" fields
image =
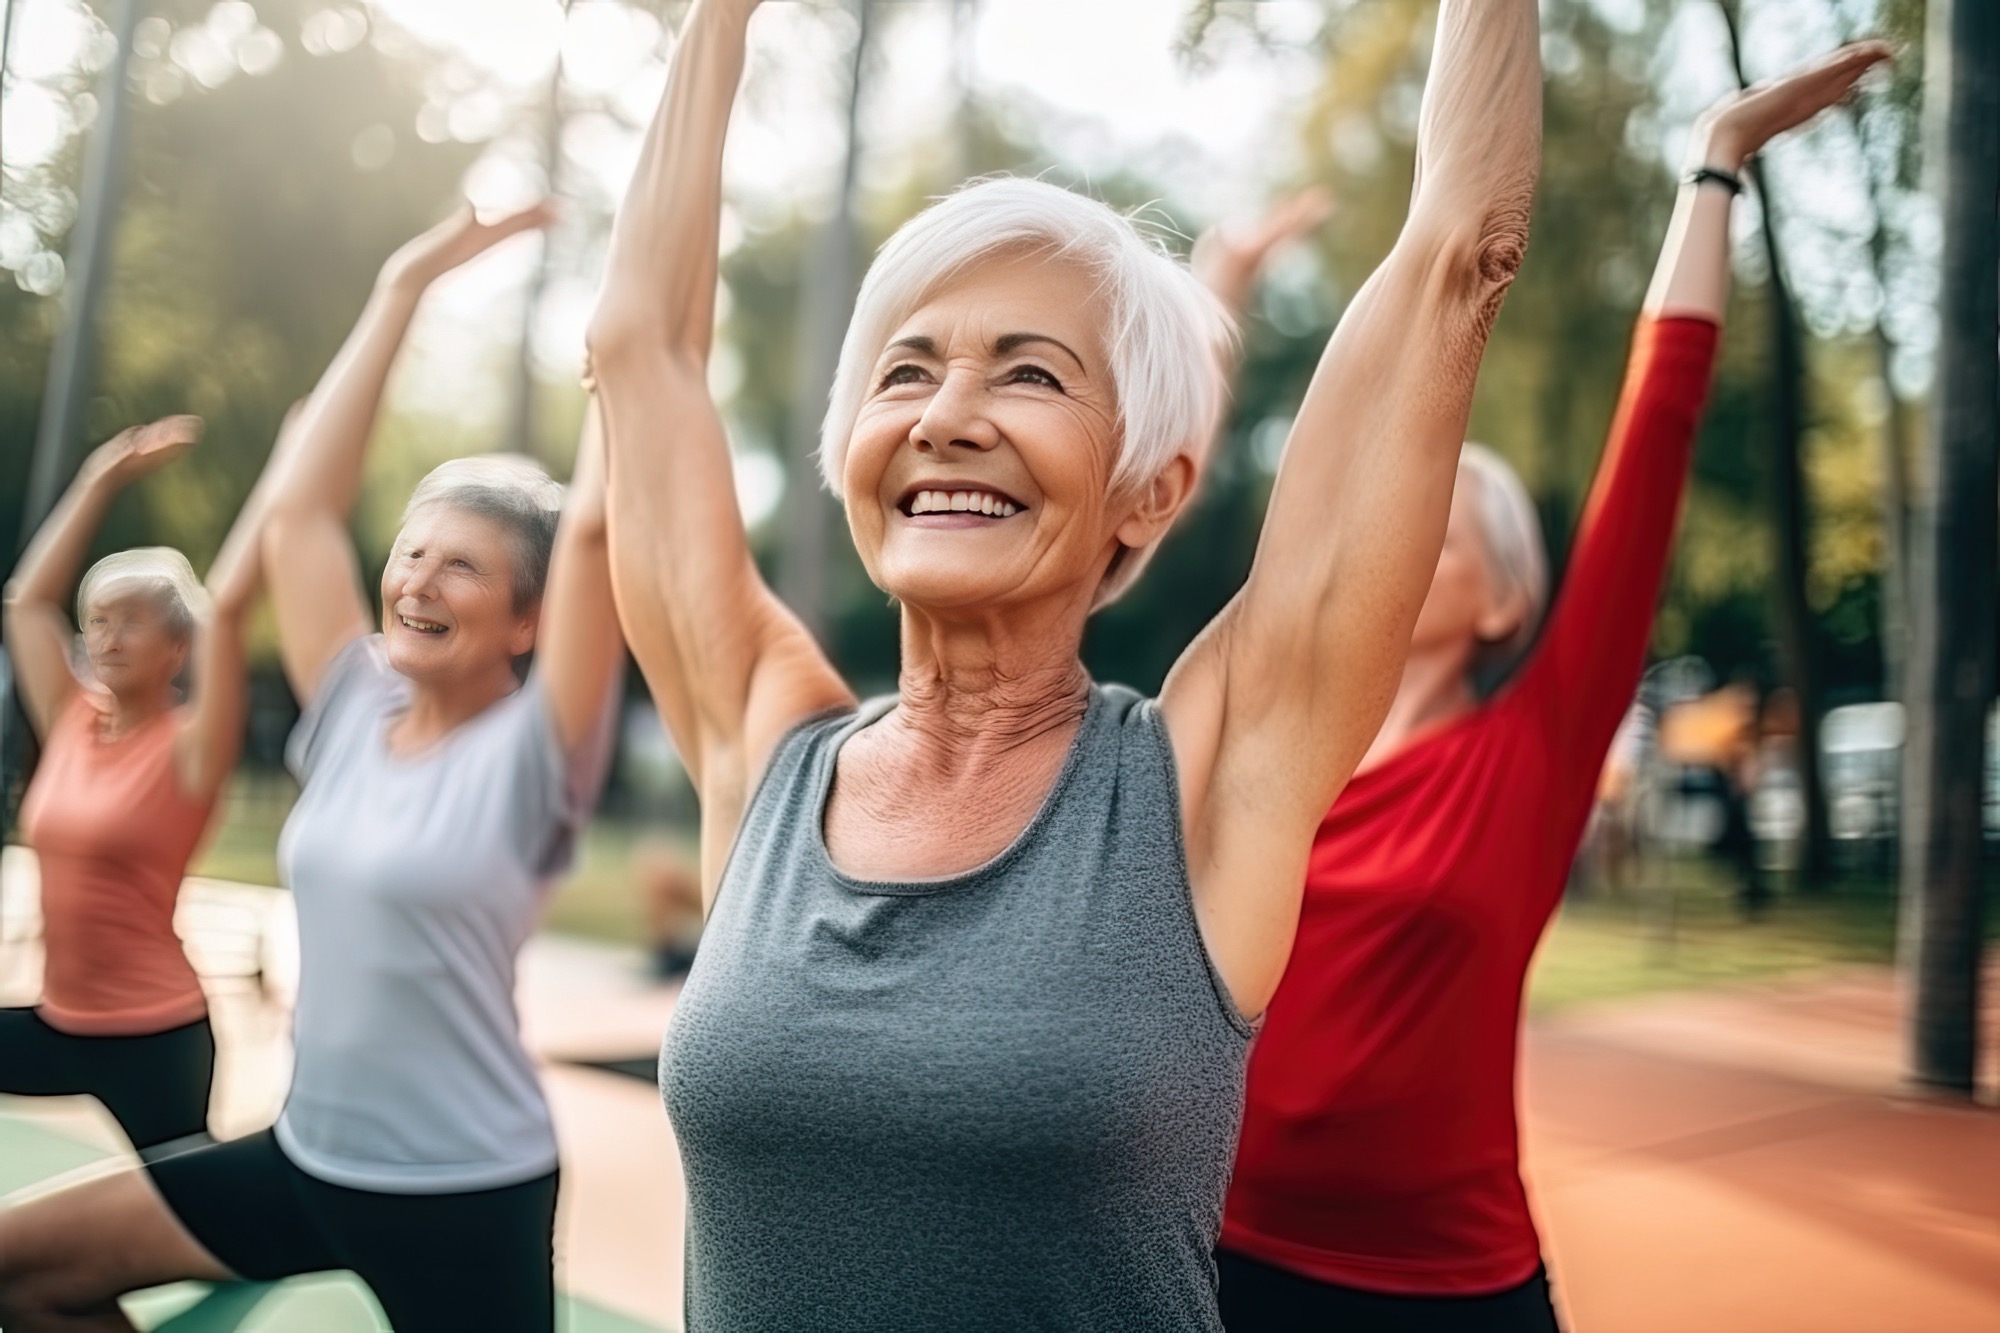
{"x": 66, "y": 392}
{"x": 1951, "y": 665}
{"x": 1792, "y": 614}
{"x": 71, "y": 360}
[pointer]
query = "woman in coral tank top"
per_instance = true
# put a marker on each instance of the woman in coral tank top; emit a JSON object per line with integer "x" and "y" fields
{"x": 129, "y": 775}
{"x": 1377, "y": 1183}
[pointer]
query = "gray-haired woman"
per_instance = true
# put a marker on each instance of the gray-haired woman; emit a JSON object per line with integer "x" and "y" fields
{"x": 964, "y": 1044}
{"x": 439, "y": 795}
{"x": 130, "y": 773}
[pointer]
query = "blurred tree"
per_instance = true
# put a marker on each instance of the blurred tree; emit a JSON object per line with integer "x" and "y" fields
{"x": 1951, "y": 671}
{"x": 255, "y": 213}
{"x": 1885, "y": 129}
{"x": 1797, "y": 631}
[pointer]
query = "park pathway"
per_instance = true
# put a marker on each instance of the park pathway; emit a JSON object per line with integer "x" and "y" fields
{"x": 1733, "y": 1162}
{"x": 1748, "y": 1162}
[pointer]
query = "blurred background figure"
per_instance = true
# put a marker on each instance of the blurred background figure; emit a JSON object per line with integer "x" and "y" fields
{"x": 442, "y": 789}
{"x": 1713, "y": 743}
{"x": 136, "y": 749}
{"x": 1377, "y": 1184}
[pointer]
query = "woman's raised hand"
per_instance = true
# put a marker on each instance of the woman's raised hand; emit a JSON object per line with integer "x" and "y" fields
{"x": 459, "y": 238}
{"x": 139, "y": 451}
{"x": 1229, "y": 260}
{"x": 1739, "y": 125}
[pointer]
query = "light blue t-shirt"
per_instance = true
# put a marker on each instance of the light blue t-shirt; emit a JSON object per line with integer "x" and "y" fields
{"x": 417, "y": 879}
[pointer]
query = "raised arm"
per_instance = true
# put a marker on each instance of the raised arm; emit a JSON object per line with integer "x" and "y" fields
{"x": 1230, "y": 260}
{"x": 38, "y": 628}
{"x": 211, "y": 738}
{"x": 1276, "y": 703}
{"x": 309, "y": 558}
{"x": 729, "y": 666}
{"x": 1589, "y": 658}
{"x": 578, "y": 649}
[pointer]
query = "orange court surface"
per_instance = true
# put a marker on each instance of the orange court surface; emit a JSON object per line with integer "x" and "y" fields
{"x": 1740, "y": 1161}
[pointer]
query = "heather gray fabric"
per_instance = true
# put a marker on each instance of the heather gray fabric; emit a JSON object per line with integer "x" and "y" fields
{"x": 417, "y": 879}
{"x": 1007, "y": 1099}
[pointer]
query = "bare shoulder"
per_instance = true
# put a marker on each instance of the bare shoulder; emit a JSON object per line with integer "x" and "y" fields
{"x": 793, "y": 681}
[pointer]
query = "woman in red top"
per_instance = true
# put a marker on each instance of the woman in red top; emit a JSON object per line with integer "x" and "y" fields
{"x": 128, "y": 777}
{"x": 1377, "y": 1184}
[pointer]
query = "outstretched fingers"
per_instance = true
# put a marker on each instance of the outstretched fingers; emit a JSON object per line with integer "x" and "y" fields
{"x": 1767, "y": 109}
{"x": 459, "y": 239}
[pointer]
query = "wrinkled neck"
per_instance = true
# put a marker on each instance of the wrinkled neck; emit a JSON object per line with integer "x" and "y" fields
{"x": 975, "y": 690}
{"x": 130, "y": 712}
{"x": 439, "y": 707}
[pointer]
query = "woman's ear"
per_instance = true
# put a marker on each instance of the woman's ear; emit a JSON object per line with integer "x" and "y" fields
{"x": 1160, "y": 503}
{"x": 524, "y": 631}
{"x": 1503, "y": 617}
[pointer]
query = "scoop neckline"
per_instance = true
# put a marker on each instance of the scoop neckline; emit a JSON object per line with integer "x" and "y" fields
{"x": 963, "y": 879}
{"x": 100, "y": 716}
{"x": 442, "y": 743}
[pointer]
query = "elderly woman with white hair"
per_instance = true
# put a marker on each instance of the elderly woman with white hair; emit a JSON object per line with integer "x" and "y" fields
{"x": 440, "y": 794}
{"x": 1378, "y": 1184}
{"x": 131, "y": 767}
{"x": 964, "y": 1043}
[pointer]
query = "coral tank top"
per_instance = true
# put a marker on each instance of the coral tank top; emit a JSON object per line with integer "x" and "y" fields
{"x": 114, "y": 832}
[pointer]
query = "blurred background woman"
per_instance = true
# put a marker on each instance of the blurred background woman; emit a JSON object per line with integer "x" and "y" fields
{"x": 131, "y": 767}
{"x": 439, "y": 796}
{"x": 1378, "y": 1184}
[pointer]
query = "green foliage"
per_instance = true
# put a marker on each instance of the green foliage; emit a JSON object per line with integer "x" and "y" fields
{"x": 246, "y": 242}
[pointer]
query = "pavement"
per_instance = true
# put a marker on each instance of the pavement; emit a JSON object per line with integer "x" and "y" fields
{"x": 1751, "y": 1161}
{"x": 1742, "y": 1161}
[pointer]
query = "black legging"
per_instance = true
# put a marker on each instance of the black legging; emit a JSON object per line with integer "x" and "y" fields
{"x": 155, "y": 1086}
{"x": 1257, "y": 1298}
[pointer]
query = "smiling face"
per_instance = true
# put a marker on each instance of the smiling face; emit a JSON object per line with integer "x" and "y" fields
{"x": 979, "y": 470}
{"x": 135, "y": 648}
{"x": 448, "y": 597}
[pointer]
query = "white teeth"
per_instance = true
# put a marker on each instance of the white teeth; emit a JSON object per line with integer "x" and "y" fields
{"x": 973, "y": 502}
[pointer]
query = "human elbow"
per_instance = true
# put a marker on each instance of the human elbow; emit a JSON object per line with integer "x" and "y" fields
{"x": 618, "y": 326}
{"x": 1475, "y": 255}
{"x": 623, "y": 328}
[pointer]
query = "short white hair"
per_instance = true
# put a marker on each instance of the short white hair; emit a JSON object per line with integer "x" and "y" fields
{"x": 1167, "y": 335}
{"x": 512, "y": 491}
{"x": 1516, "y": 557}
{"x": 159, "y": 573}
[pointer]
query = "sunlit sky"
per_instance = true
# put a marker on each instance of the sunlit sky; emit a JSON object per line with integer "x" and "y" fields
{"x": 1103, "y": 80}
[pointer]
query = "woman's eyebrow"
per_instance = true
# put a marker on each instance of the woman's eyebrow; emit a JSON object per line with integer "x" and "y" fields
{"x": 1010, "y": 342}
{"x": 916, "y": 342}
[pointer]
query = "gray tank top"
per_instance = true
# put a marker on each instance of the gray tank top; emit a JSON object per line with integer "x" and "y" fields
{"x": 1006, "y": 1099}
